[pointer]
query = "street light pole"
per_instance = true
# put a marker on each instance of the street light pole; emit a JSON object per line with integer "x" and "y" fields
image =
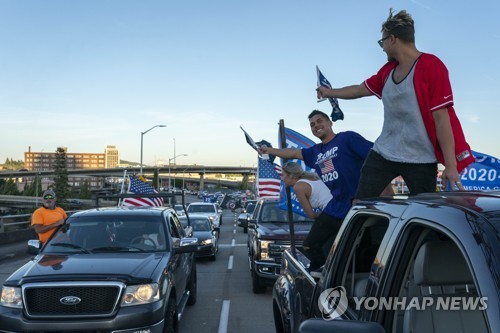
{"x": 170, "y": 160}
{"x": 142, "y": 134}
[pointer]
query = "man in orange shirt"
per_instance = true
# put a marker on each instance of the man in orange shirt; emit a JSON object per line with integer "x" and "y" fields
{"x": 47, "y": 218}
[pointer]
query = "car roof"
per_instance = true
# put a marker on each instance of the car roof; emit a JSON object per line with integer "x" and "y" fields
{"x": 195, "y": 216}
{"x": 201, "y": 203}
{"x": 269, "y": 199}
{"x": 483, "y": 202}
{"x": 123, "y": 210}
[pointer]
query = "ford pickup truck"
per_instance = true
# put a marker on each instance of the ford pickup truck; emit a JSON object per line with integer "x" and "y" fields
{"x": 425, "y": 263}
{"x": 268, "y": 236}
{"x": 119, "y": 269}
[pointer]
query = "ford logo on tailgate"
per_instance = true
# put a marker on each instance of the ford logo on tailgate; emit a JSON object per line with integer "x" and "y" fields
{"x": 70, "y": 300}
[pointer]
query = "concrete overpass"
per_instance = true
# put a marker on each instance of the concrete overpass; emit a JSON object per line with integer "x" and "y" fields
{"x": 170, "y": 171}
{"x": 148, "y": 171}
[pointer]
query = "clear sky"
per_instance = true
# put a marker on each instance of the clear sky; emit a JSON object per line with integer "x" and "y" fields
{"x": 84, "y": 74}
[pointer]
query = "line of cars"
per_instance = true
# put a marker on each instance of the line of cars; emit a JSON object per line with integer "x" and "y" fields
{"x": 205, "y": 219}
{"x": 113, "y": 269}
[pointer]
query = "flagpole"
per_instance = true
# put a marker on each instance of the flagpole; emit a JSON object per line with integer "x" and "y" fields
{"x": 288, "y": 194}
{"x": 123, "y": 185}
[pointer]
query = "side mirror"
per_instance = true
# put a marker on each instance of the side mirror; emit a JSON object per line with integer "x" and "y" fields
{"x": 189, "y": 231}
{"x": 33, "y": 246}
{"x": 252, "y": 224}
{"x": 185, "y": 245}
{"x": 345, "y": 326}
{"x": 216, "y": 229}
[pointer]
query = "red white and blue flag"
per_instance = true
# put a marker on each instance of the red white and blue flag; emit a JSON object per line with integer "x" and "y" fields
{"x": 326, "y": 166}
{"x": 137, "y": 186}
{"x": 268, "y": 178}
{"x": 298, "y": 141}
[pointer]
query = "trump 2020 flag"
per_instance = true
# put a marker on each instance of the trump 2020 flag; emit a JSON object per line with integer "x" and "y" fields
{"x": 137, "y": 186}
{"x": 268, "y": 178}
{"x": 484, "y": 174}
{"x": 298, "y": 141}
{"x": 336, "y": 111}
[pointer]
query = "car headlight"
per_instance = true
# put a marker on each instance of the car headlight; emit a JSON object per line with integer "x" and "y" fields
{"x": 264, "y": 247}
{"x": 141, "y": 294}
{"x": 11, "y": 297}
{"x": 206, "y": 242}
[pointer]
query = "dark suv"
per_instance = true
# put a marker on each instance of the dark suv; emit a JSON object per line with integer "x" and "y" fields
{"x": 268, "y": 236}
{"x": 117, "y": 269}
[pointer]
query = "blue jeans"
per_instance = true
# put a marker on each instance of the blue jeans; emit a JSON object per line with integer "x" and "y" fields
{"x": 324, "y": 229}
{"x": 377, "y": 173}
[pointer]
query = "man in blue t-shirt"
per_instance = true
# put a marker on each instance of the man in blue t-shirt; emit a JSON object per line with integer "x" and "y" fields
{"x": 337, "y": 160}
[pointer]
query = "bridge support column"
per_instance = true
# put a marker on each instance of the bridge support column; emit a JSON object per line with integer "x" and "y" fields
{"x": 244, "y": 182}
{"x": 202, "y": 180}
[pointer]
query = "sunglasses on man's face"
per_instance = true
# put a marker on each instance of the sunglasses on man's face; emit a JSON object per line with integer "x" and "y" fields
{"x": 48, "y": 197}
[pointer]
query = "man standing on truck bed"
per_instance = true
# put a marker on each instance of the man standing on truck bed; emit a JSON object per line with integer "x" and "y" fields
{"x": 420, "y": 127}
{"x": 337, "y": 160}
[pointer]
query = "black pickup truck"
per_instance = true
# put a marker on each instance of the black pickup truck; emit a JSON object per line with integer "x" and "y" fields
{"x": 119, "y": 269}
{"x": 427, "y": 263}
{"x": 268, "y": 236}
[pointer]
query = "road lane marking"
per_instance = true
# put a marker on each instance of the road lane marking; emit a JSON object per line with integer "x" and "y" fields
{"x": 231, "y": 245}
{"x": 224, "y": 317}
{"x": 230, "y": 262}
{"x": 233, "y": 242}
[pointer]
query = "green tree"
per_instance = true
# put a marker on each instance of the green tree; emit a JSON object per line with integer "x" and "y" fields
{"x": 85, "y": 192}
{"x": 8, "y": 187}
{"x": 61, "y": 187}
{"x": 34, "y": 188}
{"x": 10, "y": 164}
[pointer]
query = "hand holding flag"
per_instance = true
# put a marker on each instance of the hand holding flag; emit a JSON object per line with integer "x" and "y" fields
{"x": 257, "y": 145}
{"x": 336, "y": 111}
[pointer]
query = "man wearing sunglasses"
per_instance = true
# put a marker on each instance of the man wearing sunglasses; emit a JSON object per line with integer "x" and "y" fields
{"x": 420, "y": 126}
{"x": 47, "y": 218}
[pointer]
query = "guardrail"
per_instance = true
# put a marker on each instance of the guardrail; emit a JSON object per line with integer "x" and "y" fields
{"x": 19, "y": 222}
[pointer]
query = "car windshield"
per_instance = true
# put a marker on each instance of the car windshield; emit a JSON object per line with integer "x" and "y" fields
{"x": 271, "y": 212}
{"x": 200, "y": 224}
{"x": 183, "y": 220}
{"x": 109, "y": 234}
{"x": 201, "y": 209}
{"x": 250, "y": 208}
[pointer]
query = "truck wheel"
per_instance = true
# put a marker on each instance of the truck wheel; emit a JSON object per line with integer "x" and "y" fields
{"x": 170, "y": 324}
{"x": 245, "y": 230}
{"x": 192, "y": 286}
{"x": 257, "y": 287}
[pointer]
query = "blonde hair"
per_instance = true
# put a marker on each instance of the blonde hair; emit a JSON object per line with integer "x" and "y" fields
{"x": 296, "y": 171}
{"x": 400, "y": 25}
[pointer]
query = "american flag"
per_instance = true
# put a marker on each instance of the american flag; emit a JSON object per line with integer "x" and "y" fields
{"x": 137, "y": 186}
{"x": 326, "y": 166}
{"x": 269, "y": 180}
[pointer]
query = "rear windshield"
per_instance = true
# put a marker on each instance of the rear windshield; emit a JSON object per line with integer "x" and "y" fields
{"x": 201, "y": 209}
{"x": 271, "y": 212}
